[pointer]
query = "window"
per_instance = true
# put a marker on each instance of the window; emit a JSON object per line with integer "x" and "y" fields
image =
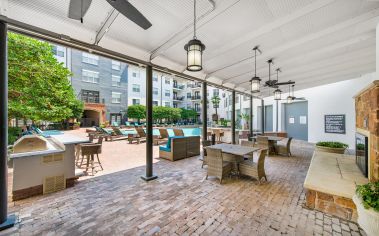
{"x": 58, "y": 51}
{"x": 215, "y": 92}
{"x": 135, "y": 74}
{"x": 167, "y": 81}
{"x": 116, "y": 65}
{"x": 136, "y": 88}
{"x": 188, "y": 95}
{"x": 116, "y": 81}
{"x": 116, "y": 97}
{"x": 167, "y": 104}
{"x": 155, "y": 91}
{"x": 226, "y": 102}
{"x": 90, "y": 58}
{"x": 155, "y": 78}
{"x": 89, "y": 96}
{"x": 167, "y": 93}
{"x": 136, "y": 101}
{"x": 237, "y": 98}
{"x": 155, "y": 103}
{"x": 90, "y": 76}
{"x": 245, "y": 98}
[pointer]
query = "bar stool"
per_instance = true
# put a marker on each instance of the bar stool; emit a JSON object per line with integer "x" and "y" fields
{"x": 88, "y": 152}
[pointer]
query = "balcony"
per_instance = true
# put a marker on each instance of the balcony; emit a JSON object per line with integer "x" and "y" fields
{"x": 196, "y": 98}
{"x": 194, "y": 86}
{"x": 178, "y": 86}
{"x": 178, "y": 99}
{"x": 197, "y": 109}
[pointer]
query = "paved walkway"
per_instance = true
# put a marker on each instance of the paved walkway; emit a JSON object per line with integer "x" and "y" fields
{"x": 181, "y": 202}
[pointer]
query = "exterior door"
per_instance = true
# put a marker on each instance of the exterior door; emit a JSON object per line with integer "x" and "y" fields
{"x": 116, "y": 118}
{"x": 268, "y": 118}
{"x": 296, "y": 120}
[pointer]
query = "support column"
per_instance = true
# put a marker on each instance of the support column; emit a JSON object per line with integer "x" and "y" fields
{"x": 149, "y": 125}
{"x": 277, "y": 116}
{"x": 205, "y": 112}
{"x": 5, "y": 220}
{"x": 263, "y": 115}
{"x": 251, "y": 118}
{"x": 234, "y": 117}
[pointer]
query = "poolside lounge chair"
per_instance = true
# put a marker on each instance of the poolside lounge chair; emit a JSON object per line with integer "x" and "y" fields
{"x": 284, "y": 147}
{"x": 140, "y": 137}
{"x": 163, "y": 136}
{"x": 256, "y": 170}
{"x": 216, "y": 165}
{"x": 178, "y": 132}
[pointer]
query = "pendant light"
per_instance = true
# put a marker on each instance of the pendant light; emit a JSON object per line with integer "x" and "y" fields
{"x": 289, "y": 98}
{"x": 277, "y": 92}
{"x": 255, "y": 81}
{"x": 194, "y": 49}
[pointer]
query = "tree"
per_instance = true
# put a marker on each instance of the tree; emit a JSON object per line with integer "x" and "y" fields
{"x": 137, "y": 112}
{"x": 188, "y": 113}
{"x": 39, "y": 88}
{"x": 159, "y": 113}
{"x": 215, "y": 101}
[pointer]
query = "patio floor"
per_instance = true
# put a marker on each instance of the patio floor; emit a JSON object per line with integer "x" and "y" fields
{"x": 179, "y": 202}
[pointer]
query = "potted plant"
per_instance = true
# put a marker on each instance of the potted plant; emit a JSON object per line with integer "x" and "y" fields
{"x": 332, "y": 147}
{"x": 360, "y": 149}
{"x": 366, "y": 200}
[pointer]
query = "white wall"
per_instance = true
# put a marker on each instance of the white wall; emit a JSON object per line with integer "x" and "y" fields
{"x": 336, "y": 98}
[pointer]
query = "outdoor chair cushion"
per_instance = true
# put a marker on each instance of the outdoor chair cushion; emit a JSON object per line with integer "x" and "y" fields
{"x": 164, "y": 148}
{"x": 167, "y": 147}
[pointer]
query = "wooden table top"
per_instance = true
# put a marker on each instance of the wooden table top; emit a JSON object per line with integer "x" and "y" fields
{"x": 272, "y": 138}
{"x": 234, "y": 149}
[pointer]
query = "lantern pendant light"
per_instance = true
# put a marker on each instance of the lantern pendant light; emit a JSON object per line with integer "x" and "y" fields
{"x": 194, "y": 49}
{"x": 277, "y": 92}
{"x": 289, "y": 98}
{"x": 255, "y": 81}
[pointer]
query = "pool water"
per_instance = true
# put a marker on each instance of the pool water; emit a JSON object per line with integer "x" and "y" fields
{"x": 186, "y": 131}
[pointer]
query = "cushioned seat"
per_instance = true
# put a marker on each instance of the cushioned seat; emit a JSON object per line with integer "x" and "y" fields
{"x": 164, "y": 148}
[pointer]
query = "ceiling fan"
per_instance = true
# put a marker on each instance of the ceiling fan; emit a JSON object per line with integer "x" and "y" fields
{"x": 78, "y": 8}
{"x": 293, "y": 95}
{"x": 274, "y": 83}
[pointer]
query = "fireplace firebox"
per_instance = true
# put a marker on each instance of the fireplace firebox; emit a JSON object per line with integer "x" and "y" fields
{"x": 361, "y": 153}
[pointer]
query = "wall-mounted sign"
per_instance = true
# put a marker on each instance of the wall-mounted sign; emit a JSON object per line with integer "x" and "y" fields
{"x": 303, "y": 120}
{"x": 335, "y": 124}
{"x": 291, "y": 120}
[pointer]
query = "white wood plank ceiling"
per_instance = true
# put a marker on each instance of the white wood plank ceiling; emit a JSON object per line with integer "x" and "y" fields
{"x": 314, "y": 42}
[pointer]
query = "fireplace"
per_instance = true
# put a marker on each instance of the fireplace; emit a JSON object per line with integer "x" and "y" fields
{"x": 361, "y": 153}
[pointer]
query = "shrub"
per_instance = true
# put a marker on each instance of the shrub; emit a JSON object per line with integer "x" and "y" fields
{"x": 13, "y": 134}
{"x": 369, "y": 193}
{"x": 331, "y": 144}
{"x": 360, "y": 146}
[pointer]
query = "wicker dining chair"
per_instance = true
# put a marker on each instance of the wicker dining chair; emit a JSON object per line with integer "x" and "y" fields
{"x": 247, "y": 143}
{"x": 284, "y": 148}
{"x": 216, "y": 166}
{"x": 256, "y": 170}
{"x": 205, "y": 143}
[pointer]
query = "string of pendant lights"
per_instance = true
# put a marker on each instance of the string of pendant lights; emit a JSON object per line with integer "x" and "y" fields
{"x": 194, "y": 48}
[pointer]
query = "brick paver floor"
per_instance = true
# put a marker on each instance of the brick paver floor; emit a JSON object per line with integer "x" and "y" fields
{"x": 181, "y": 202}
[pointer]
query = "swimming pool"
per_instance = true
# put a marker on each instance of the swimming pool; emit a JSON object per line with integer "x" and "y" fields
{"x": 186, "y": 131}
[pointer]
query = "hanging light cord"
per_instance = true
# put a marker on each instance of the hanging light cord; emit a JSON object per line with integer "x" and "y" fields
{"x": 255, "y": 62}
{"x": 194, "y": 19}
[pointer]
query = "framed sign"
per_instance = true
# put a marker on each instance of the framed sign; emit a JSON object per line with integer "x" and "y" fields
{"x": 335, "y": 124}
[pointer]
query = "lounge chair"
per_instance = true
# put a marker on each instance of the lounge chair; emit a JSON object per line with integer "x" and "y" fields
{"x": 256, "y": 170}
{"x": 163, "y": 136}
{"x": 284, "y": 148}
{"x": 140, "y": 137}
{"x": 216, "y": 165}
{"x": 120, "y": 135}
{"x": 178, "y": 132}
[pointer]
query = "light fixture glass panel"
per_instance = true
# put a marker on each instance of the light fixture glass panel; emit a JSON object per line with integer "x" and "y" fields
{"x": 255, "y": 86}
{"x": 277, "y": 94}
{"x": 289, "y": 99}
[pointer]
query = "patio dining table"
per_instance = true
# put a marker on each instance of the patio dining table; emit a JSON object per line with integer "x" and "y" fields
{"x": 234, "y": 153}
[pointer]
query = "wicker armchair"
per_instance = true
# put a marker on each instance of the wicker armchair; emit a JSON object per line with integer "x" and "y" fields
{"x": 216, "y": 165}
{"x": 284, "y": 148}
{"x": 248, "y": 144}
{"x": 175, "y": 149}
{"x": 256, "y": 170}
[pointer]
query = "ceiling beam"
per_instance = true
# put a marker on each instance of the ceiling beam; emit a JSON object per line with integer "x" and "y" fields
{"x": 106, "y": 25}
{"x": 276, "y": 24}
{"x": 306, "y": 39}
{"x": 306, "y": 57}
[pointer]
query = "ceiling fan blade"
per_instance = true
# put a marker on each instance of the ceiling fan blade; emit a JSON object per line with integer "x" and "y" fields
{"x": 285, "y": 83}
{"x": 130, "y": 12}
{"x": 78, "y": 8}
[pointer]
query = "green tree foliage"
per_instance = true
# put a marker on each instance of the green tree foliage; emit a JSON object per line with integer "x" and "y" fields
{"x": 188, "y": 113}
{"x": 169, "y": 114}
{"x": 215, "y": 101}
{"x": 137, "y": 112}
{"x": 39, "y": 88}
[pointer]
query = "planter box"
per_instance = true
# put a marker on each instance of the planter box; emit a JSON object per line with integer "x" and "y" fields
{"x": 331, "y": 150}
{"x": 368, "y": 219}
